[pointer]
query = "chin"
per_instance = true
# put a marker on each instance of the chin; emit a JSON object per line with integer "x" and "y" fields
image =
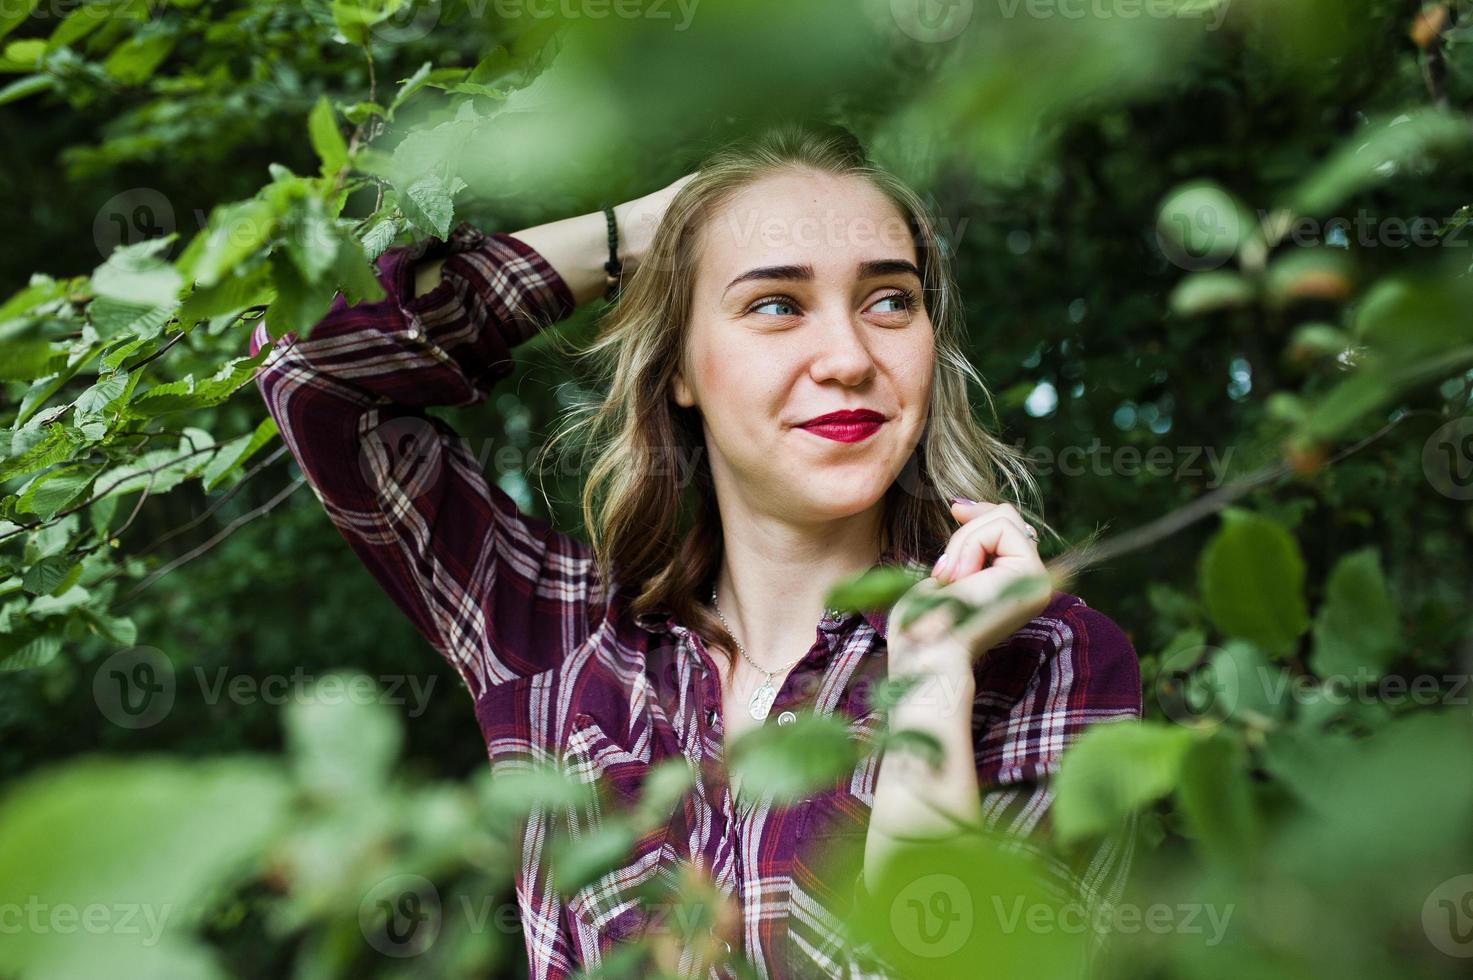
{"x": 838, "y": 499}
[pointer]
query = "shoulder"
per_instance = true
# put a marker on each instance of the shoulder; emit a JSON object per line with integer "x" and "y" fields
{"x": 1070, "y": 656}
{"x": 1093, "y": 643}
{"x": 1068, "y": 668}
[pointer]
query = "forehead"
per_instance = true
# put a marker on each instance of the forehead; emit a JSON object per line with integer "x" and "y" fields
{"x": 802, "y": 218}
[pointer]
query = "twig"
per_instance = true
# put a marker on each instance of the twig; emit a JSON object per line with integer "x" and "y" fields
{"x": 98, "y": 496}
{"x": 215, "y": 539}
{"x": 1066, "y": 567}
{"x": 216, "y": 505}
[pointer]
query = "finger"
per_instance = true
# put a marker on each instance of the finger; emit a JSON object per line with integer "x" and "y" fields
{"x": 985, "y": 539}
{"x": 966, "y": 511}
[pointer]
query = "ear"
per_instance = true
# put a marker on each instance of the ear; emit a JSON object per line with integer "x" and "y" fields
{"x": 684, "y": 397}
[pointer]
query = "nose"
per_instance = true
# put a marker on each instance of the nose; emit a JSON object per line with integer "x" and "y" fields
{"x": 842, "y": 353}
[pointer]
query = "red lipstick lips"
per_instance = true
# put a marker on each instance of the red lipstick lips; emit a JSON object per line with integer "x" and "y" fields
{"x": 850, "y": 425}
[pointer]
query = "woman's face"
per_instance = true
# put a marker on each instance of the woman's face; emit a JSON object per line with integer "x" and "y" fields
{"x": 800, "y": 309}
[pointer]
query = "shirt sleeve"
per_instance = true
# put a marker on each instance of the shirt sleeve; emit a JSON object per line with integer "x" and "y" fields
{"x": 498, "y": 593}
{"x": 1083, "y": 671}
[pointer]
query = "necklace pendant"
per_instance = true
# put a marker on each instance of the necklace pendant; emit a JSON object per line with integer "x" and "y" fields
{"x": 762, "y": 698}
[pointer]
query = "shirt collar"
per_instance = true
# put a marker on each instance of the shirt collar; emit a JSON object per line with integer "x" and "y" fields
{"x": 662, "y": 621}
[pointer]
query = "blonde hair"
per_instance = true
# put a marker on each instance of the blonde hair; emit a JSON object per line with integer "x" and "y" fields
{"x": 661, "y": 541}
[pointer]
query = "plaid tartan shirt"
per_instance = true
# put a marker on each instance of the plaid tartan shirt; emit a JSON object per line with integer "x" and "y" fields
{"x": 559, "y": 669}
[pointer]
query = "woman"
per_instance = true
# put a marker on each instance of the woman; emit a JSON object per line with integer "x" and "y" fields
{"x": 785, "y": 281}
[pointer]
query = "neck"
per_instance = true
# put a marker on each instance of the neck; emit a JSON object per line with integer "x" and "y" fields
{"x": 775, "y": 576}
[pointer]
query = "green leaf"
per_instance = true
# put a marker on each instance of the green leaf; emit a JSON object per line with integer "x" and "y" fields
{"x": 237, "y": 290}
{"x": 54, "y": 490}
{"x": 1358, "y": 630}
{"x": 41, "y": 291}
{"x": 341, "y": 737}
{"x": 790, "y": 761}
{"x": 186, "y": 393}
{"x": 359, "y": 276}
{"x": 103, "y": 396}
{"x": 1242, "y": 682}
{"x": 38, "y": 651}
{"x": 1380, "y": 150}
{"x": 514, "y": 793}
{"x": 579, "y": 861}
{"x": 1415, "y": 316}
{"x": 117, "y": 629}
{"x": 55, "y": 444}
{"x": 354, "y": 18}
{"x": 1207, "y": 292}
{"x": 49, "y": 574}
{"x": 1216, "y": 798}
{"x": 1113, "y": 770}
{"x": 61, "y": 602}
{"x": 12, "y": 15}
{"x": 327, "y": 140}
{"x": 114, "y": 319}
{"x": 875, "y": 588}
{"x": 1200, "y": 222}
{"x": 312, "y": 241}
{"x": 78, "y": 24}
{"x": 380, "y": 236}
{"x": 235, "y": 232}
{"x": 136, "y": 274}
{"x": 1309, "y": 274}
{"x": 159, "y": 470}
{"x": 23, "y": 56}
{"x": 1252, "y": 581}
{"x": 1318, "y": 340}
{"x": 23, "y": 87}
{"x": 159, "y": 837}
{"x": 22, "y": 360}
{"x": 234, "y": 454}
{"x": 298, "y": 305}
{"x": 134, "y": 61}
{"x": 428, "y": 206}
{"x": 410, "y": 85}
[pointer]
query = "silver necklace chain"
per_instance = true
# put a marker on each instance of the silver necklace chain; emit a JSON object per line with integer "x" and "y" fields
{"x": 761, "y": 701}
{"x": 741, "y": 649}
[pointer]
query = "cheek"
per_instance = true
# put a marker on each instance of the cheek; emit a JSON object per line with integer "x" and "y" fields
{"x": 735, "y": 386}
{"x": 912, "y": 366}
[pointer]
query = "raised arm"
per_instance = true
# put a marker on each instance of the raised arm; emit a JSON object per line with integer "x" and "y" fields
{"x": 500, "y": 594}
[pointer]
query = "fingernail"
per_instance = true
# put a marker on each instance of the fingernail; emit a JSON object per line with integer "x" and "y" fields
{"x": 940, "y": 567}
{"x": 961, "y": 500}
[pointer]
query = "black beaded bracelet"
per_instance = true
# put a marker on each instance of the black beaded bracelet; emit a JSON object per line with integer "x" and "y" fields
{"x": 613, "y": 268}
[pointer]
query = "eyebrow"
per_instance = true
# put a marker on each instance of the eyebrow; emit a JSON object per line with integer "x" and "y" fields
{"x": 804, "y": 273}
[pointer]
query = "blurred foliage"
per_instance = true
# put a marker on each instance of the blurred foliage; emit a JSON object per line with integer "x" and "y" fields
{"x": 1211, "y": 252}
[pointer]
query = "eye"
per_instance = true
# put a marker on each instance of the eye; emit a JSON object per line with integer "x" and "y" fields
{"x": 904, "y": 301}
{"x": 774, "y": 301}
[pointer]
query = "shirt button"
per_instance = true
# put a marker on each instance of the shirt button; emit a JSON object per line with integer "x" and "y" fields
{"x": 786, "y": 718}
